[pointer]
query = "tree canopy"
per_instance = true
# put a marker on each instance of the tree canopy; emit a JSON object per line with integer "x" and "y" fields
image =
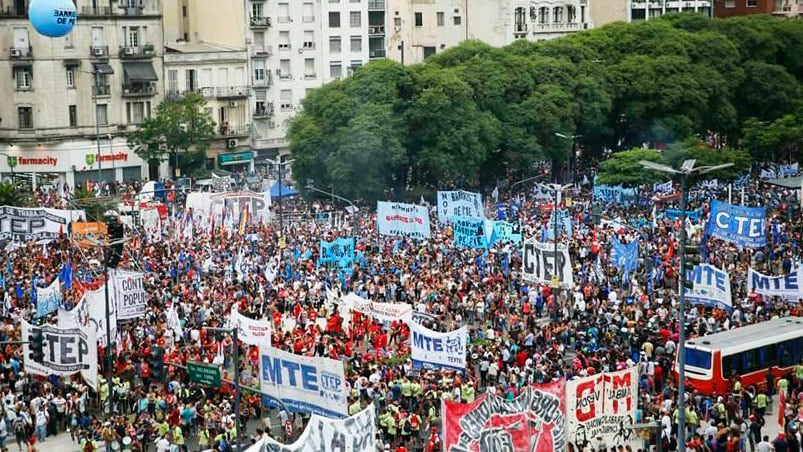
{"x": 474, "y": 114}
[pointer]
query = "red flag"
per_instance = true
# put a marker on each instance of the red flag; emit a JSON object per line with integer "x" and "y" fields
{"x": 781, "y": 409}
{"x": 671, "y": 253}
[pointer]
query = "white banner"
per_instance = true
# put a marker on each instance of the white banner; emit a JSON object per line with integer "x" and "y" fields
{"x": 542, "y": 193}
{"x": 41, "y": 224}
{"x": 49, "y": 350}
{"x": 434, "y": 350}
{"x": 353, "y": 434}
{"x": 538, "y": 263}
{"x": 48, "y": 299}
{"x": 459, "y": 203}
{"x": 384, "y": 312}
{"x": 710, "y": 286}
{"x": 410, "y": 220}
{"x": 250, "y": 331}
{"x": 602, "y": 405}
{"x": 90, "y": 312}
{"x": 785, "y": 286}
{"x": 303, "y": 383}
{"x": 129, "y": 294}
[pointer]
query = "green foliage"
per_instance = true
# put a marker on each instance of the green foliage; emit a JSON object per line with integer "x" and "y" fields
{"x": 623, "y": 168}
{"x": 473, "y": 114}
{"x": 179, "y": 127}
{"x": 14, "y": 196}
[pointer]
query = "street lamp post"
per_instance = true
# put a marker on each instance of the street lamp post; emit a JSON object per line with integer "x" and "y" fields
{"x": 96, "y": 89}
{"x": 686, "y": 169}
{"x": 571, "y": 156}
{"x": 556, "y": 189}
{"x": 355, "y": 210}
{"x": 236, "y": 357}
{"x": 280, "y": 164}
{"x": 524, "y": 181}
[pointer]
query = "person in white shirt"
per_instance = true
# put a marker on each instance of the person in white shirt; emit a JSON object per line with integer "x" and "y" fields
{"x": 162, "y": 444}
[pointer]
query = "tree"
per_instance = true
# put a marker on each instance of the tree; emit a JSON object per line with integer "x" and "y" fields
{"x": 181, "y": 129}
{"x": 623, "y": 168}
{"x": 776, "y": 140}
{"x": 14, "y": 196}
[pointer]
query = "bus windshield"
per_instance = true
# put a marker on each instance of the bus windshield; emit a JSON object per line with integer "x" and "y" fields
{"x": 698, "y": 358}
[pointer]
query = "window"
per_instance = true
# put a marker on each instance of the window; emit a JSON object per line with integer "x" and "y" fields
{"x": 356, "y": 44}
{"x": 284, "y": 12}
{"x": 334, "y": 19}
{"x": 571, "y": 13}
{"x": 132, "y": 37}
{"x": 419, "y": 19}
{"x": 73, "y": 113}
{"x": 25, "y": 117}
{"x": 137, "y": 112}
{"x": 309, "y": 68}
{"x": 543, "y": 15}
{"x": 172, "y": 81}
{"x": 397, "y": 21}
{"x": 428, "y": 52}
{"x": 308, "y": 14}
{"x": 284, "y": 40}
{"x": 520, "y": 20}
{"x": 256, "y": 10}
{"x": 191, "y": 80}
{"x": 102, "y": 113}
{"x": 457, "y": 20}
{"x": 557, "y": 15}
{"x": 335, "y": 69}
{"x": 355, "y": 64}
{"x": 70, "y": 77}
{"x": 355, "y": 19}
{"x": 730, "y": 3}
{"x": 284, "y": 67}
{"x": 259, "y": 71}
{"x": 286, "y": 99}
{"x": 441, "y": 19}
{"x": 183, "y": 11}
{"x": 24, "y": 77}
{"x": 334, "y": 44}
{"x": 698, "y": 358}
{"x": 752, "y": 3}
{"x": 309, "y": 40}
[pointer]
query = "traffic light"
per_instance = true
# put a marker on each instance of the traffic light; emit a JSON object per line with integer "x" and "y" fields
{"x": 157, "y": 362}
{"x": 115, "y": 233}
{"x": 692, "y": 255}
{"x": 36, "y": 346}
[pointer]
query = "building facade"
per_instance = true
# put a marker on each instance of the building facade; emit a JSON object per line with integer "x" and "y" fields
{"x": 650, "y": 9}
{"x": 609, "y": 11}
{"x": 220, "y": 74}
{"x": 69, "y": 102}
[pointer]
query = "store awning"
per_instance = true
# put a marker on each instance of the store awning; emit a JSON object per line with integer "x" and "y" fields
{"x": 140, "y": 72}
{"x": 72, "y": 62}
{"x": 102, "y": 68}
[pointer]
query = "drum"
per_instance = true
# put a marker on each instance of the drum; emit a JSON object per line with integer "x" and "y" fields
{"x": 115, "y": 445}
{"x": 127, "y": 443}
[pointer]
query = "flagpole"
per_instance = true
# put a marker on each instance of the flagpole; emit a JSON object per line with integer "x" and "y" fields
{"x": 730, "y": 193}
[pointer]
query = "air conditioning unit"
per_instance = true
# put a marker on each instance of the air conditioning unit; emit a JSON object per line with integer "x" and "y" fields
{"x": 97, "y": 51}
{"x": 232, "y": 103}
{"x": 272, "y": 124}
{"x": 129, "y": 50}
{"x": 16, "y": 53}
{"x": 300, "y": 50}
{"x": 231, "y": 143}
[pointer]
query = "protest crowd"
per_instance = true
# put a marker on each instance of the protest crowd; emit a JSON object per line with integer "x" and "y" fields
{"x": 617, "y": 312}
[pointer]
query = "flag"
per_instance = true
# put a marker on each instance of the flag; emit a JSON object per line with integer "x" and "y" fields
{"x": 243, "y": 227}
{"x": 495, "y": 194}
{"x": 67, "y": 275}
{"x": 781, "y": 409}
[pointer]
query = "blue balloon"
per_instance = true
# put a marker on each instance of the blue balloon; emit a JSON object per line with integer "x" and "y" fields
{"x": 52, "y": 18}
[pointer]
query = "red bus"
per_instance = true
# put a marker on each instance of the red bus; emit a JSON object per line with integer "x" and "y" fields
{"x": 748, "y": 352}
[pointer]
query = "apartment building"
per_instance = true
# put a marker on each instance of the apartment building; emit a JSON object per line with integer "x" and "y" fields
{"x": 69, "y": 102}
{"x": 417, "y": 29}
{"x": 650, "y": 9}
{"x": 781, "y": 8}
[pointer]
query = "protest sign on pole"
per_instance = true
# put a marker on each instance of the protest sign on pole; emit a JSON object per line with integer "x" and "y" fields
{"x": 786, "y": 286}
{"x": 49, "y": 350}
{"x": 538, "y": 263}
{"x": 435, "y": 350}
{"x": 250, "y": 331}
{"x": 469, "y": 232}
{"x": 40, "y": 224}
{"x": 409, "y": 220}
{"x": 710, "y": 286}
{"x": 459, "y": 203}
{"x": 384, "y": 312}
{"x": 129, "y": 294}
{"x": 742, "y": 226}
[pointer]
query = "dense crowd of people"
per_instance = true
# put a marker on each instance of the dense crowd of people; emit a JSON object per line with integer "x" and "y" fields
{"x": 520, "y": 333}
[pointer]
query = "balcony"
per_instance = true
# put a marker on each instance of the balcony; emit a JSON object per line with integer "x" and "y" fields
{"x": 232, "y": 92}
{"x": 284, "y": 19}
{"x": 557, "y": 27}
{"x": 263, "y": 51}
{"x": 11, "y": 11}
{"x": 265, "y": 112}
{"x": 21, "y": 53}
{"x": 136, "y": 52}
{"x": 234, "y": 131}
{"x": 174, "y": 95}
{"x": 260, "y": 22}
{"x": 309, "y": 76}
{"x": 101, "y": 90}
{"x": 308, "y": 19}
{"x": 520, "y": 29}
{"x": 377, "y": 53}
{"x": 99, "y": 51}
{"x": 376, "y": 5}
{"x": 97, "y": 11}
{"x": 262, "y": 83}
{"x": 139, "y": 90}
{"x": 374, "y": 30}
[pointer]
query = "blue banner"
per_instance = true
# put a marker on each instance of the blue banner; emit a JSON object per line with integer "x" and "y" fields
{"x": 710, "y": 286}
{"x": 469, "y": 232}
{"x": 339, "y": 252}
{"x": 505, "y": 231}
{"x": 48, "y": 299}
{"x": 616, "y": 195}
{"x": 674, "y": 214}
{"x": 501, "y": 211}
{"x": 564, "y": 224}
{"x": 625, "y": 257}
{"x": 743, "y": 226}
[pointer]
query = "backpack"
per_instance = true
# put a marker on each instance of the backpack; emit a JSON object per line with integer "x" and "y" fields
{"x": 19, "y": 425}
{"x": 406, "y": 427}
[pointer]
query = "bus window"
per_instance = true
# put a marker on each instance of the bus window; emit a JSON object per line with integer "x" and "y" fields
{"x": 786, "y": 353}
{"x": 731, "y": 365}
{"x": 698, "y": 358}
{"x": 751, "y": 360}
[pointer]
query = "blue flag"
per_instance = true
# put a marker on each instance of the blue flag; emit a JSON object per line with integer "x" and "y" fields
{"x": 66, "y": 275}
{"x": 33, "y": 290}
{"x": 625, "y": 257}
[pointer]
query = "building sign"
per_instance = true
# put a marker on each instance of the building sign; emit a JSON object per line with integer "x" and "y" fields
{"x": 118, "y": 157}
{"x": 234, "y": 158}
{"x": 14, "y": 160}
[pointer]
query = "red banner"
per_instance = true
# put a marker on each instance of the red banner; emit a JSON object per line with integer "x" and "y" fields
{"x": 533, "y": 422}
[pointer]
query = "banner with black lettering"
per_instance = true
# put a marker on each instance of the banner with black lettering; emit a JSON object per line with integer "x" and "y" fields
{"x": 538, "y": 263}
{"x": 434, "y": 350}
{"x": 48, "y": 350}
{"x": 602, "y": 405}
{"x": 129, "y": 294}
{"x": 786, "y": 286}
{"x": 90, "y": 312}
{"x": 532, "y": 422}
{"x": 250, "y": 331}
{"x": 354, "y": 434}
{"x": 459, "y": 203}
{"x": 40, "y": 224}
{"x": 384, "y": 312}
